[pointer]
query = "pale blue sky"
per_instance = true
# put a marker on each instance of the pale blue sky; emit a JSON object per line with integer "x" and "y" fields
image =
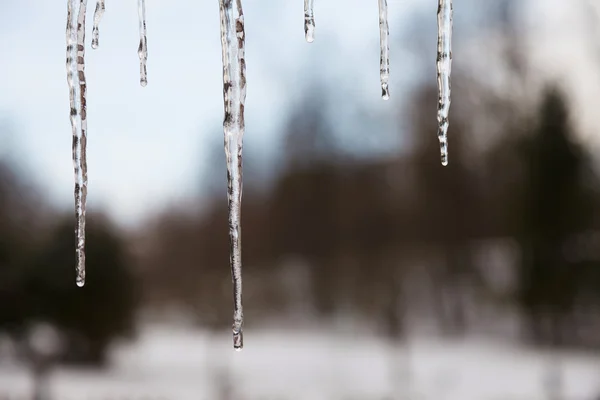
{"x": 146, "y": 145}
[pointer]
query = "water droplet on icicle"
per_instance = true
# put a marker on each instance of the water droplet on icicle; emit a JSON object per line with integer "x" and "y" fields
{"x": 234, "y": 97}
{"x": 143, "y": 47}
{"x": 309, "y": 21}
{"x": 78, "y": 115}
{"x": 444, "y": 65}
{"x": 98, "y": 13}
{"x": 384, "y": 33}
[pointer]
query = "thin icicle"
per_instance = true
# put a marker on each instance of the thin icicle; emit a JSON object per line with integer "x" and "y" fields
{"x": 143, "y": 47}
{"x": 384, "y": 34}
{"x": 309, "y": 21}
{"x": 98, "y": 13}
{"x": 78, "y": 115}
{"x": 234, "y": 96}
{"x": 444, "y": 65}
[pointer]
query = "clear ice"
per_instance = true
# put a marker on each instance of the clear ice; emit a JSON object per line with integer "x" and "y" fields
{"x": 78, "y": 115}
{"x": 98, "y": 13}
{"x": 309, "y": 21}
{"x": 384, "y": 61}
{"x": 234, "y": 96}
{"x": 444, "y": 64}
{"x": 143, "y": 47}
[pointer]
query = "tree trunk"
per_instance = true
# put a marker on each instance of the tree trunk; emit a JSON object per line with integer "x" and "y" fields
{"x": 41, "y": 389}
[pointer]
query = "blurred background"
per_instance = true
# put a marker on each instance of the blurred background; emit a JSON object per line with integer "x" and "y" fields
{"x": 370, "y": 271}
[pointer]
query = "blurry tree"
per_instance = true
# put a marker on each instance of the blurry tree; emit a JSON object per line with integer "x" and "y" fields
{"x": 302, "y": 208}
{"x": 44, "y": 312}
{"x": 185, "y": 257}
{"x": 302, "y": 218}
{"x": 19, "y": 223}
{"x": 362, "y": 226}
{"x": 556, "y": 204}
{"x": 448, "y": 213}
{"x": 87, "y": 318}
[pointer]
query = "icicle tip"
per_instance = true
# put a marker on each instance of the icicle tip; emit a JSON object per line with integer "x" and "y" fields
{"x": 238, "y": 340}
{"x": 80, "y": 282}
{"x": 309, "y": 32}
{"x": 443, "y": 148}
{"x": 385, "y": 91}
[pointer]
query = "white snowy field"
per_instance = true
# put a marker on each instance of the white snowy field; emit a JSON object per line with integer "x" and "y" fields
{"x": 182, "y": 364}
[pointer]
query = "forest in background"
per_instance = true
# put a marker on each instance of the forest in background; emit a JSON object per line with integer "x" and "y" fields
{"x": 508, "y": 231}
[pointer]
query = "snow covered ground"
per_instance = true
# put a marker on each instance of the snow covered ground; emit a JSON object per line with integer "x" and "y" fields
{"x": 182, "y": 364}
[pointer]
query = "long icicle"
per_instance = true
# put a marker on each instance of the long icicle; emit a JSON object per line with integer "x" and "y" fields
{"x": 309, "y": 21}
{"x": 444, "y": 65}
{"x": 77, "y": 94}
{"x": 143, "y": 47}
{"x": 384, "y": 62}
{"x": 234, "y": 96}
{"x": 98, "y": 13}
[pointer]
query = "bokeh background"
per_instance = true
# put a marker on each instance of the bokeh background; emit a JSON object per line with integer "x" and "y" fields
{"x": 370, "y": 271}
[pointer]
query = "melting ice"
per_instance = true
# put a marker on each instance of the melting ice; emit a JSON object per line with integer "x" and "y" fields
{"x": 444, "y": 64}
{"x": 234, "y": 96}
{"x": 77, "y": 95}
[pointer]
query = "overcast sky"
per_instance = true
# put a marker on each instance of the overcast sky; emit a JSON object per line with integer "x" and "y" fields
{"x": 146, "y": 145}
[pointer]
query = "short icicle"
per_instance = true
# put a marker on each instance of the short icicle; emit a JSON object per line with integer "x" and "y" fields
{"x": 444, "y": 65}
{"x": 98, "y": 13}
{"x": 309, "y": 21}
{"x": 77, "y": 94}
{"x": 384, "y": 34}
{"x": 234, "y": 96}
{"x": 143, "y": 47}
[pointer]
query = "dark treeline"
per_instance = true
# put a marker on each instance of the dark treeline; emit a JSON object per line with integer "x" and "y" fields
{"x": 44, "y": 315}
{"x": 384, "y": 238}
{"x": 509, "y": 231}
{"x": 49, "y": 318}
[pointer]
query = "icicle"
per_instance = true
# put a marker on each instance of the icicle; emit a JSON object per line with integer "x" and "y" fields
{"x": 444, "y": 64}
{"x": 143, "y": 48}
{"x": 77, "y": 95}
{"x": 234, "y": 96}
{"x": 309, "y": 21}
{"x": 384, "y": 34}
{"x": 98, "y": 13}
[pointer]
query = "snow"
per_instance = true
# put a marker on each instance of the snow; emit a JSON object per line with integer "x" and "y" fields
{"x": 183, "y": 364}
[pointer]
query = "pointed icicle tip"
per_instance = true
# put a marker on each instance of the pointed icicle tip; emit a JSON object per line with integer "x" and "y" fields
{"x": 385, "y": 91}
{"x": 310, "y": 35}
{"x": 309, "y": 28}
{"x": 238, "y": 340}
{"x": 443, "y": 147}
